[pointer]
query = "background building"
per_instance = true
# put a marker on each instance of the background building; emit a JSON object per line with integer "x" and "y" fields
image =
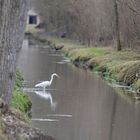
{"x": 33, "y": 19}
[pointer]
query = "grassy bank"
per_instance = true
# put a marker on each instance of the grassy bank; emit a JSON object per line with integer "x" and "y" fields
{"x": 20, "y": 101}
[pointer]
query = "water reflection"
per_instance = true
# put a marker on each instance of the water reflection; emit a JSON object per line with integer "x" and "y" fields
{"x": 47, "y": 95}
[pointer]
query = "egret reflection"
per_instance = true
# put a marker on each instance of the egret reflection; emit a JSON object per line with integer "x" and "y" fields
{"x": 47, "y": 96}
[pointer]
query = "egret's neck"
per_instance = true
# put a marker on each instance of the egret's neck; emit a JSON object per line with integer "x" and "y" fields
{"x": 51, "y": 79}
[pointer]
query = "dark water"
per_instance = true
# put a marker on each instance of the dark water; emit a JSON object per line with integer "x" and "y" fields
{"x": 77, "y": 106}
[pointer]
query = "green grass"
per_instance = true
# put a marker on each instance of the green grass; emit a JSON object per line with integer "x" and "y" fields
{"x": 20, "y": 101}
{"x": 19, "y": 80}
{"x": 84, "y": 54}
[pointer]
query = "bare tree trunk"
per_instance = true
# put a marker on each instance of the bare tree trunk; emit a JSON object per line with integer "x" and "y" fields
{"x": 12, "y": 23}
{"x": 119, "y": 47}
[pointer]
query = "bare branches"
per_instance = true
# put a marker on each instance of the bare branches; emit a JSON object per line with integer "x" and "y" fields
{"x": 129, "y": 6}
{"x": 93, "y": 22}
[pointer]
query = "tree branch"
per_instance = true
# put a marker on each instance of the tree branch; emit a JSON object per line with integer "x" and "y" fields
{"x": 132, "y": 9}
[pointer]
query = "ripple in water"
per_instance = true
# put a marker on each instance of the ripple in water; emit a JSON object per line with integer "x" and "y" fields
{"x": 47, "y": 120}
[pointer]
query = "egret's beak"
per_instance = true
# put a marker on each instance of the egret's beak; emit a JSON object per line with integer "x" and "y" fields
{"x": 58, "y": 76}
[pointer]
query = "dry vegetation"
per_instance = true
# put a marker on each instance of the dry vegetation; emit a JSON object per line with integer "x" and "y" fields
{"x": 93, "y": 22}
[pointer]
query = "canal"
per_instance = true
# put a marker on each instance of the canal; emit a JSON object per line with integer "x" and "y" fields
{"x": 78, "y": 105}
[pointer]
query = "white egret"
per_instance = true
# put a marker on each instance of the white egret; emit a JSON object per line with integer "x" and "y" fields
{"x": 45, "y": 84}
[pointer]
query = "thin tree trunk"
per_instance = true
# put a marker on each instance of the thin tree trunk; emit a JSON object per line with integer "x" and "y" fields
{"x": 119, "y": 47}
{"x": 13, "y": 15}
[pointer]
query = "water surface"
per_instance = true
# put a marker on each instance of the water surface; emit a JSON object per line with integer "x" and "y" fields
{"x": 77, "y": 106}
